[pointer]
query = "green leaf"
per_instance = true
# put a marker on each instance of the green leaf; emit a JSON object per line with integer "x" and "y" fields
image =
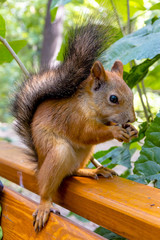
{"x": 1, "y": 233}
{"x": 100, "y": 154}
{"x": 148, "y": 164}
{"x": 53, "y": 13}
{"x": 60, "y": 56}
{"x": 5, "y": 55}
{"x": 137, "y": 73}
{"x": 2, "y": 27}
{"x": 125, "y": 174}
{"x": 137, "y": 178}
{"x": 142, "y": 130}
{"x": 108, "y": 234}
{"x": 148, "y": 168}
{"x": 2, "y": 1}
{"x": 155, "y": 6}
{"x": 119, "y": 155}
{"x": 121, "y": 7}
{"x": 141, "y": 44}
{"x": 151, "y": 79}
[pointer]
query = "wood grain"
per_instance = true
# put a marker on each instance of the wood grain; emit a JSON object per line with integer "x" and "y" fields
{"x": 123, "y": 206}
{"x": 17, "y": 222}
{"x": 16, "y": 167}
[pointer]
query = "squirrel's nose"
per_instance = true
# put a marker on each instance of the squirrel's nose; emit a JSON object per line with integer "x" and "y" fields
{"x": 132, "y": 119}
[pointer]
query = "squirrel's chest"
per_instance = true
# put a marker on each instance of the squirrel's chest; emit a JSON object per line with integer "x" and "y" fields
{"x": 83, "y": 156}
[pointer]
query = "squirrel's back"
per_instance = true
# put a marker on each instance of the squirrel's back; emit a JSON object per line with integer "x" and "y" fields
{"x": 85, "y": 43}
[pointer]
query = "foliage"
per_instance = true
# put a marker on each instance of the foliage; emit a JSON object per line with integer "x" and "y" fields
{"x": 121, "y": 7}
{"x": 1, "y": 233}
{"x": 115, "y": 155}
{"x": 151, "y": 80}
{"x": 2, "y": 27}
{"x": 138, "y": 73}
{"x": 148, "y": 164}
{"x": 135, "y": 45}
{"x": 16, "y": 46}
{"x": 23, "y": 20}
{"x": 108, "y": 234}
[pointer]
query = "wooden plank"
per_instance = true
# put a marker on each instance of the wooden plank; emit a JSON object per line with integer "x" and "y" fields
{"x": 128, "y": 208}
{"x": 16, "y": 222}
{"x": 15, "y": 166}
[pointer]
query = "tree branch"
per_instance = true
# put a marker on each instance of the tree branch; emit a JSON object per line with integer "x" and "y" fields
{"x": 144, "y": 107}
{"x": 128, "y": 16}
{"x": 145, "y": 94}
{"x": 6, "y": 44}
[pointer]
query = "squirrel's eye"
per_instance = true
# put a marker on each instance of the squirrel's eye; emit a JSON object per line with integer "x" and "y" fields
{"x": 113, "y": 99}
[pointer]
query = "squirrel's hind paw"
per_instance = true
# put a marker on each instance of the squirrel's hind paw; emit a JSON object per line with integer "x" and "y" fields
{"x": 41, "y": 215}
{"x": 101, "y": 170}
{"x": 105, "y": 172}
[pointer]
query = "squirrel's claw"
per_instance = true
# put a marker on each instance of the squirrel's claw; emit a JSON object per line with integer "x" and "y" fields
{"x": 41, "y": 215}
{"x": 131, "y": 130}
{"x": 105, "y": 172}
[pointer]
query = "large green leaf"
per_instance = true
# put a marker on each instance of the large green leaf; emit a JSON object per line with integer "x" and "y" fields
{"x": 115, "y": 155}
{"x": 5, "y": 55}
{"x": 141, "y": 44}
{"x": 2, "y": 27}
{"x": 137, "y": 73}
{"x": 108, "y": 234}
{"x": 148, "y": 164}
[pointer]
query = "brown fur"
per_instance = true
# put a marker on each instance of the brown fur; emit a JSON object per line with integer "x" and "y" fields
{"x": 65, "y": 131}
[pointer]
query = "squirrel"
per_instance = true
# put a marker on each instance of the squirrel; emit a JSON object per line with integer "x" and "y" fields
{"x": 63, "y": 112}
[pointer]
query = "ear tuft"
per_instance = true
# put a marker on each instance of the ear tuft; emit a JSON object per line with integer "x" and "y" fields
{"x": 97, "y": 70}
{"x": 118, "y": 68}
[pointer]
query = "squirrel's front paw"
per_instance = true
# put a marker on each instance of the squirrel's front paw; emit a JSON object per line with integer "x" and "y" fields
{"x": 120, "y": 134}
{"x": 41, "y": 215}
{"x": 131, "y": 130}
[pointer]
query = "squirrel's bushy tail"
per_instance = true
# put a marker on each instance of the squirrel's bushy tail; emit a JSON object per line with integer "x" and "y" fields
{"x": 86, "y": 42}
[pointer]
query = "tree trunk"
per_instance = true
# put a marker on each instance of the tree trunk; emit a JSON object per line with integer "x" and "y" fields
{"x": 52, "y": 37}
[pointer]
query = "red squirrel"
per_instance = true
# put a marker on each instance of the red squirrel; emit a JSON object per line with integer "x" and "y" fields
{"x": 63, "y": 112}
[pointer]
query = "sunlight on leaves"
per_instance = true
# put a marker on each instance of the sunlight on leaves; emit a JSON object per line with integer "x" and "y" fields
{"x": 2, "y": 27}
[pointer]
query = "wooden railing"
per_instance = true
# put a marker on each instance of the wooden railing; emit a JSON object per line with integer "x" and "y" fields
{"x": 125, "y": 207}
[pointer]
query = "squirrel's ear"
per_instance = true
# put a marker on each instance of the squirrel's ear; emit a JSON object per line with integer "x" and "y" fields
{"x": 98, "y": 71}
{"x": 118, "y": 68}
